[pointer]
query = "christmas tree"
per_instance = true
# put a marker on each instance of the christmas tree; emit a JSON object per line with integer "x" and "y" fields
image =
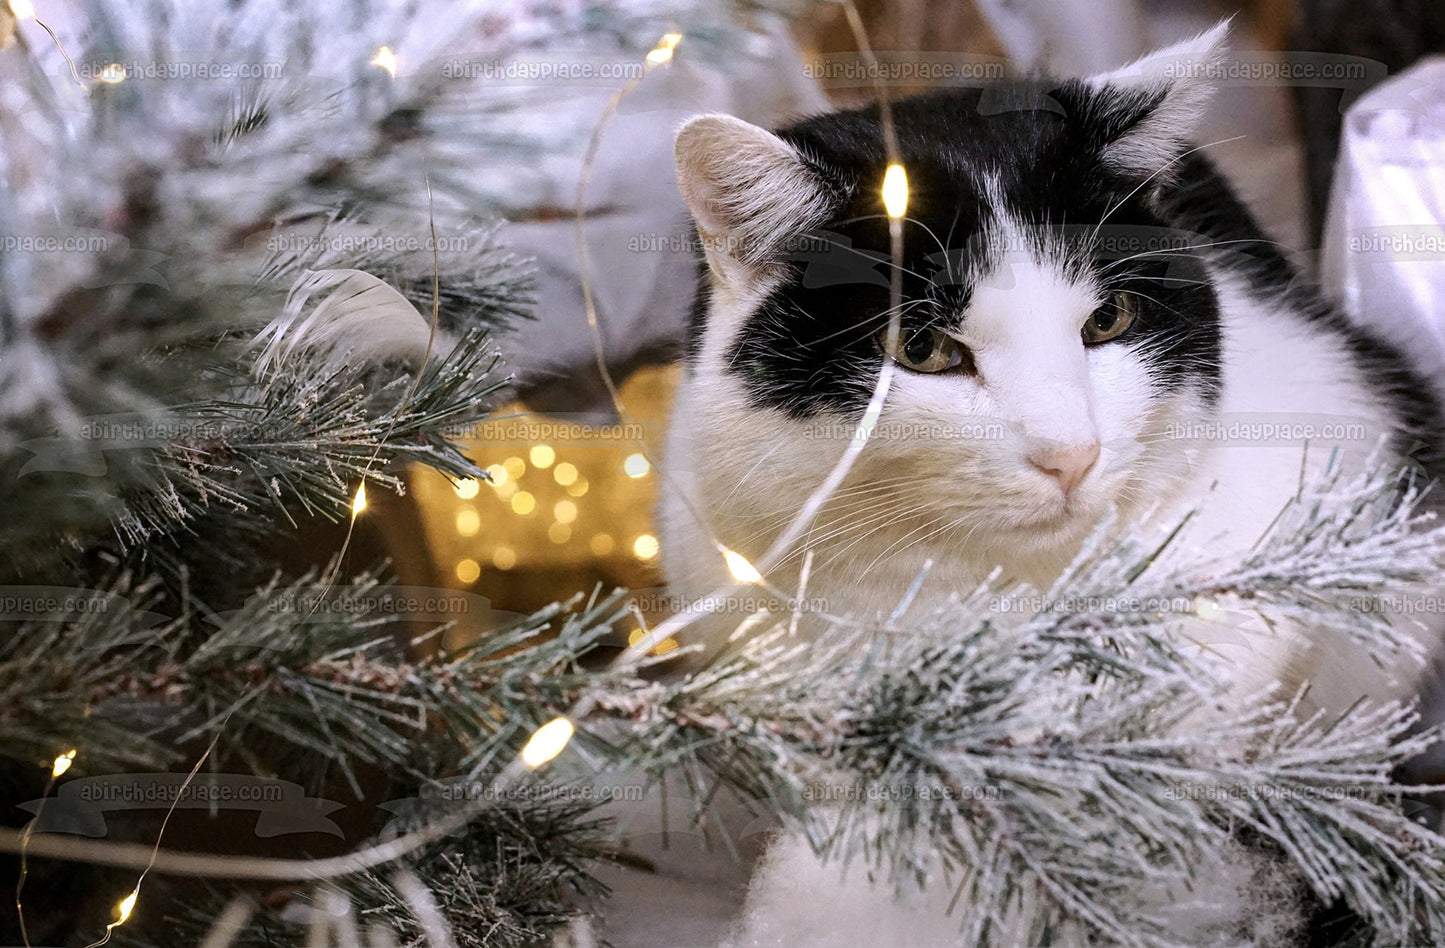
{"x": 233, "y": 311}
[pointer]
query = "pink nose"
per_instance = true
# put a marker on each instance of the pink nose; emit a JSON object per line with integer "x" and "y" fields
{"x": 1068, "y": 464}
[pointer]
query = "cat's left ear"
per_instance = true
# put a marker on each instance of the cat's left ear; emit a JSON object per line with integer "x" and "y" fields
{"x": 1147, "y": 111}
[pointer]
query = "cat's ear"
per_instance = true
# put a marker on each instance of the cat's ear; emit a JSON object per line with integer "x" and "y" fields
{"x": 1149, "y": 109}
{"x": 747, "y": 189}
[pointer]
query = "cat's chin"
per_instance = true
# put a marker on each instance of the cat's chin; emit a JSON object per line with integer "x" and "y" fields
{"x": 1048, "y": 531}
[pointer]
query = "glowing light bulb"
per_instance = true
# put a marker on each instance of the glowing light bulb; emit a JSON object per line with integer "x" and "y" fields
{"x": 467, "y": 488}
{"x": 742, "y": 570}
{"x": 23, "y": 9}
{"x": 523, "y": 503}
{"x": 636, "y": 466}
{"x": 359, "y": 503}
{"x": 668, "y": 644}
{"x": 564, "y": 511}
{"x": 645, "y": 546}
{"x": 542, "y": 455}
{"x": 1207, "y": 609}
{"x": 895, "y": 191}
{"x": 468, "y": 523}
{"x": 385, "y": 59}
{"x": 62, "y": 763}
{"x": 662, "y": 52}
{"x": 126, "y": 906}
{"x": 468, "y": 571}
{"x": 565, "y": 474}
{"x": 504, "y": 557}
{"x": 112, "y": 74}
{"x": 549, "y": 740}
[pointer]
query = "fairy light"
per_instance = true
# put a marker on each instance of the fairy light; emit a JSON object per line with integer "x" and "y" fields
{"x": 661, "y": 54}
{"x": 498, "y": 474}
{"x": 62, "y": 764}
{"x": 469, "y": 523}
{"x": 523, "y": 503}
{"x": 547, "y": 742}
{"x": 542, "y": 455}
{"x": 895, "y": 191}
{"x": 601, "y": 544}
{"x": 468, "y": 571}
{"x": 515, "y": 467}
{"x": 742, "y": 570}
{"x": 385, "y": 59}
{"x": 1207, "y": 609}
{"x": 645, "y": 546}
{"x": 111, "y": 75}
{"x": 23, "y": 9}
{"x": 636, "y": 466}
{"x": 565, "y": 474}
{"x": 669, "y": 644}
{"x": 564, "y": 511}
{"x": 126, "y": 906}
{"x": 504, "y": 557}
{"x": 467, "y": 488}
{"x": 359, "y": 503}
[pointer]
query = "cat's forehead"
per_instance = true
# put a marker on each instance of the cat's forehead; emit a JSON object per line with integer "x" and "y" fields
{"x": 990, "y": 172}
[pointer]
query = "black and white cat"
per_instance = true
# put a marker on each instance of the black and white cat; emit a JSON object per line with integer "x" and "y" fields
{"x": 1091, "y": 322}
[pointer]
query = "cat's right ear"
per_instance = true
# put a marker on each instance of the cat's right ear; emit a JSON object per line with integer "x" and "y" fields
{"x": 748, "y": 190}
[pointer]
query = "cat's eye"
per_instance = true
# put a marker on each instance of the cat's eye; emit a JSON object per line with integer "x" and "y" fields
{"x": 1111, "y": 320}
{"x": 924, "y": 350}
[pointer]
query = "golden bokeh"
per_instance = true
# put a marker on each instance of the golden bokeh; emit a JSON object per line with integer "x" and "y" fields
{"x": 568, "y": 507}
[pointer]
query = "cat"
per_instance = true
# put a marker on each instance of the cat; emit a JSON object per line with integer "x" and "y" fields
{"x": 1092, "y": 322}
{"x": 1092, "y": 325}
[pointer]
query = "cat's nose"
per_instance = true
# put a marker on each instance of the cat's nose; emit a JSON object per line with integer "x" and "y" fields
{"x": 1068, "y": 464}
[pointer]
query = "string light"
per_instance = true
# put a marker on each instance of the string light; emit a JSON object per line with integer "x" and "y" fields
{"x": 126, "y": 906}
{"x": 504, "y": 557}
{"x": 668, "y": 644}
{"x": 601, "y": 544}
{"x": 467, "y": 488}
{"x": 661, "y": 54}
{"x": 549, "y": 740}
{"x": 468, "y": 523}
{"x": 468, "y": 571}
{"x": 515, "y": 467}
{"x": 62, "y": 763}
{"x": 359, "y": 503}
{"x": 742, "y": 570}
{"x": 111, "y": 75}
{"x": 895, "y": 191}
{"x": 565, "y": 474}
{"x": 645, "y": 546}
{"x": 1207, "y": 609}
{"x": 636, "y": 466}
{"x": 385, "y": 59}
{"x": 542, "y": 455}
{"x": 498, "y": 474}
{"x": 523, "y": 502}
{"x": 564, "y": 511}
{"x": 23, "y": 9}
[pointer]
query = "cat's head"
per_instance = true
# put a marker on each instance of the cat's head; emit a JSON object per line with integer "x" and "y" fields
{"x": 1053, "y": 324}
